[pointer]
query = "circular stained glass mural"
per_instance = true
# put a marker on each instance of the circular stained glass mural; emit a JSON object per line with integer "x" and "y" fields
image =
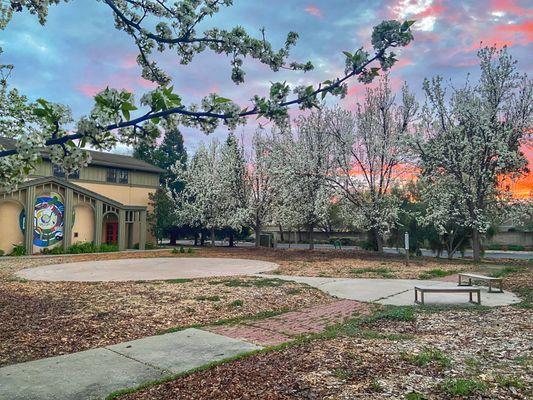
{"x": 48, "y": 218}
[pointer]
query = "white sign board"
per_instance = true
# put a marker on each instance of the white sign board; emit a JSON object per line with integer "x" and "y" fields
{"x": 406, "y": 241}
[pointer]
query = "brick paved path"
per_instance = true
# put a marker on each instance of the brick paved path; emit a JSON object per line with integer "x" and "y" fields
{"x": 283, "y": 328}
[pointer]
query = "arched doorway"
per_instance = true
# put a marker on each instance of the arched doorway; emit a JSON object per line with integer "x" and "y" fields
{"x": 10, "y": 231}
{"x": 110, "y": 228}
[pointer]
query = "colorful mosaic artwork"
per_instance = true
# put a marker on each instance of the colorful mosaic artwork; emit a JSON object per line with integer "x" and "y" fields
{"x": 48, "y": 217}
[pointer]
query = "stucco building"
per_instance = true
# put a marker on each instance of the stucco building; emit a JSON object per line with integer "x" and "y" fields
{"x": 105, "y": 202}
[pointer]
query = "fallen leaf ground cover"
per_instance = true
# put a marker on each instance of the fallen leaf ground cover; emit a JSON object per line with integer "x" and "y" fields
{"x": 43, "y": 319}
{"x": 408, "y": 353}
{"x": 450, "y": 354}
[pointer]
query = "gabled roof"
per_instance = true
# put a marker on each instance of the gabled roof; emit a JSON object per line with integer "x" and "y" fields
{"x": 98, "y": 158}
{"x": 77, "y": 188}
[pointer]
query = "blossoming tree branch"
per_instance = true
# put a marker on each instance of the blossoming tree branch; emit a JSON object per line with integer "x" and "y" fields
{"x": 118, "y": 117}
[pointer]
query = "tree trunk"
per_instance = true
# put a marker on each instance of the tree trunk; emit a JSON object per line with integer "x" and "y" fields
{"x": 257, "y": 231}
{"x": 173, "y": 236}
{"x": 476, "y": 244}
{"x": 377, "y": 240}
{"x": 311, "y": 238}
{"x": 202, "y": 239}
{"x": 281, "y": 233}
{"x": 231, "y": 237}
{"x": 196, "y": 239}
{"x": 213, "y": 237}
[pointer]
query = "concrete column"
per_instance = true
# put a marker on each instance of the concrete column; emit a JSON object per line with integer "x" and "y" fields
{"x": 68, "y": 218}
{"x": 121, "y": 230}
{"x": 142, "y": 230}
{"x": 29, "y": 207}
{"x": 98, "y": 221}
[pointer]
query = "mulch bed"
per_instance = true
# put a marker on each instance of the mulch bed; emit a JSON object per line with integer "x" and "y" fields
{"x": 490, "y": 348}
{"x": 43, "y": 319}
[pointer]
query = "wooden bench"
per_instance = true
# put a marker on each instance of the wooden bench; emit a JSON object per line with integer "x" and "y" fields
{"x": 488, "y": 279}
{"x": 436, "y": 289}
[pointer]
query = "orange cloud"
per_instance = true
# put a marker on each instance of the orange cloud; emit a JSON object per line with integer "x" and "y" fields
{"x": 313, "y": 10}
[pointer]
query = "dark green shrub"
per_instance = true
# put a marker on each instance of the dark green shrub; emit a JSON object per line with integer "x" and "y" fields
{"x": 182, "y": 250}
{"x": 107, "y": 248}
{"x": 84, "y": 247}
{"x": 18, "y": 250}
{"x": 54, "y": 250}
{"x": 1, "y": 253}
{"x": 150, "y": 246}
{"x": 190, "y": 250}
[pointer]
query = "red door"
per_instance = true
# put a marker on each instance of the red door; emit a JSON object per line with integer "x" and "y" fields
{"x": 111, "y": 232}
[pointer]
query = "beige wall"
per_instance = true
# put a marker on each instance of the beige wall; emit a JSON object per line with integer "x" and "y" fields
{"x": 128, "y": 195}
{"x": 83, "y": 224}
{"x": 10, "y": 232}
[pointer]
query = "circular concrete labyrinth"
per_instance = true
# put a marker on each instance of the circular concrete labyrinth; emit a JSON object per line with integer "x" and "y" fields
{"x": 145, "y": 269}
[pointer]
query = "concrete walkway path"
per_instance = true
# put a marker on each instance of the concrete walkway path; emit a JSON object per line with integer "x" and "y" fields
{"x": 399, "y": 292}
{"x": 94, "y": 374}
{"x": 145, "y": 269}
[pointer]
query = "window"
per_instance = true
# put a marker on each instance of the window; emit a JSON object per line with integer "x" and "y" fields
{"x": 111, "y": 175}
{"x": 123, "y": 176}
{"x": 60, "y": 173}
{"x": 115, "y": 175}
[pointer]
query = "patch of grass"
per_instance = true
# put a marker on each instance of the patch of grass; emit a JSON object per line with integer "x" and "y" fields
{"x": 507, "y": 382}
{"x": 376, "y": 386}
{"x": 294, "y": 291}
{"x": 266, "y": 282}
{"x": 343, "y": 374}
{"x": 178, "y": 280}
{"x": 371, "y": 334}
{"x": 237, "y": 303}
{"x": 463, "y": 387}
{"x": 228, "y": 321}
{"x": 428, "y": 356}
{"x": 415, "y": 396}
{"x": 383, "y": 272}
{"x": 208, "y": 298}
{"x": 507, "y": 271}
{"x": 526, "y": 294}
{"x": 472, "y": 362}
{"x": 436, "y": 273}
{"x": 17, "y": 279}
{"x": 524, "y": 360}
{"x": 353, "y": 327}
{"x": 405, "y": 313}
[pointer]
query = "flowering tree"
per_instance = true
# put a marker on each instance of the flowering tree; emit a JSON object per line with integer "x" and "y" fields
{"x": 200, "y": 202}
{"x": 369, "y": 157}
{"x": 232, "y": 174}
{"x": 259, "y": 184}
{"x": 301, "y": 163}
{"x": 472, "y": 139}
{"x": 440, "y": 211}
{"x": 117, "y": 117}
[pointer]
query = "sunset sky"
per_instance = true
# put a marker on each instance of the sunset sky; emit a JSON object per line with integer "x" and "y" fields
{"x": 79, "y": 52}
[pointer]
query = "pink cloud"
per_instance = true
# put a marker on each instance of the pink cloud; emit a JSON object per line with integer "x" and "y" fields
{"x": 89, "y": 90}
{"x": 511, "y": 7}
{"x": 313, "y": 10}
{"x": 129, "y": 61}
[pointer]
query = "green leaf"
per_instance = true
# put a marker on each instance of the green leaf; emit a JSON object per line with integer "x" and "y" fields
{"x": 222, "y": 100}
{"x": 155, "y": 120}
{"x": 128, "y": 106}
{"x": 39, "y": 112}
{"x": 126, "y": 114}
{"x": 348, "y": 54}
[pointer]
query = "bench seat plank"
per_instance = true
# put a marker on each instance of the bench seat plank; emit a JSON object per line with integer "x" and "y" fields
{"x": 481, "y": 277}
{"x": 488, "y": 279}
{"x": 440, "y": 289}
